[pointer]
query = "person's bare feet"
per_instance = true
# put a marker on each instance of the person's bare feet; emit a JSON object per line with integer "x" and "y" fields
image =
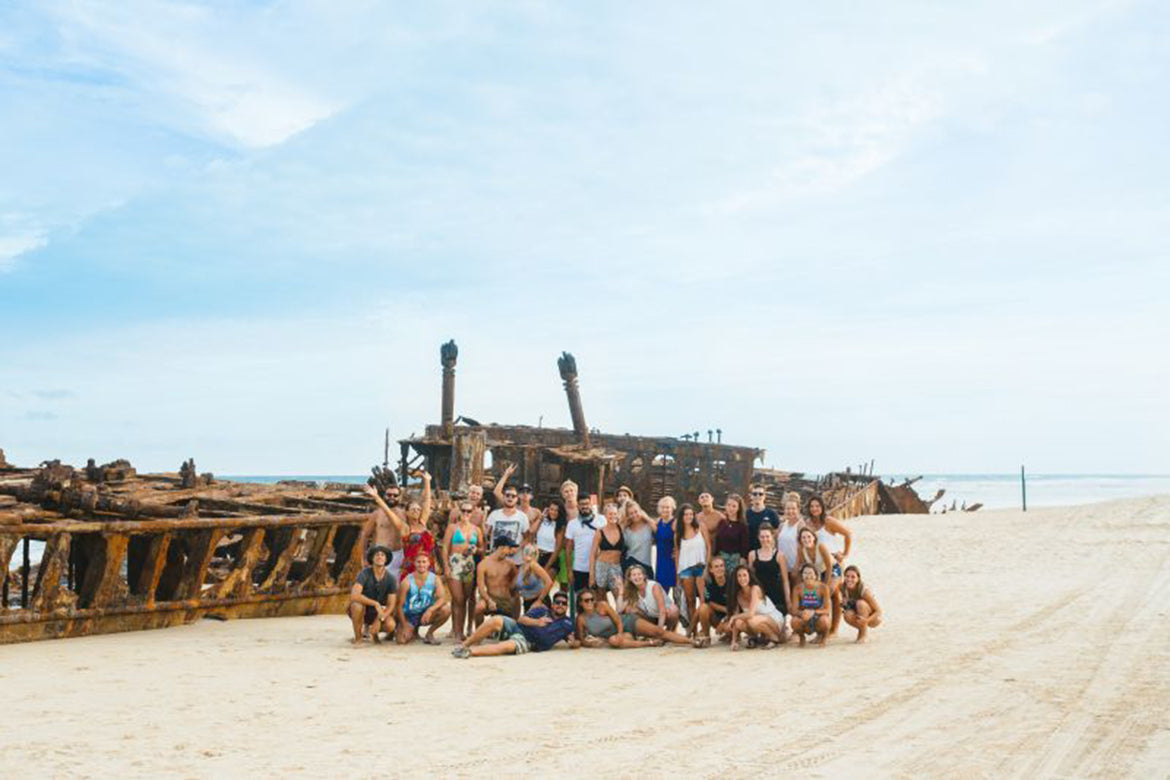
{"x": 802, "y": 640}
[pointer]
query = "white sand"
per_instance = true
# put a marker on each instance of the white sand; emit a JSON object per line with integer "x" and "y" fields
{"x": 1028, "y": 645}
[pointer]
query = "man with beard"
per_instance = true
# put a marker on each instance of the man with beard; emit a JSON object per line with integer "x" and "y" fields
{"x": 386, "y": 526}
{"x": 538, "y": 630}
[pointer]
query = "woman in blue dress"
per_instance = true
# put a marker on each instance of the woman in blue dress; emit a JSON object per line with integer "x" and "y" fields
{"x": 665, "y": 566}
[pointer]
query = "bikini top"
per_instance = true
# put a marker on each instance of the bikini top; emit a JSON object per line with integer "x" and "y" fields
{"x": 606, "y": 545}
{"x": 459, "y": 538}
{"x": 811, "y": 599}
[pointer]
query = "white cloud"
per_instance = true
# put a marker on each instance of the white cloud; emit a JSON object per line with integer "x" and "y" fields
{"x": 16, "y": 241}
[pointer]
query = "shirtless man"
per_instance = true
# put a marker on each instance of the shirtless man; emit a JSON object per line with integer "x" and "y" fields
{"x": 496, "y": 580}
{"x": 708, "y": 515}
{"x": 386, "y": 526}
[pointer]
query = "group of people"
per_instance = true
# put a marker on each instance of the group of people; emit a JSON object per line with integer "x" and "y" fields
{"x": 521, "y": 579}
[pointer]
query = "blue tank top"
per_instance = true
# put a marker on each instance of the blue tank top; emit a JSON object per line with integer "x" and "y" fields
{"x": 419, "y": 599}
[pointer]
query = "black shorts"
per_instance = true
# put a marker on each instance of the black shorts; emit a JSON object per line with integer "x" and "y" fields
{"x": 580, "y": 580}
{"x": 371, "y": 616}
{"x": 544, "y": 559}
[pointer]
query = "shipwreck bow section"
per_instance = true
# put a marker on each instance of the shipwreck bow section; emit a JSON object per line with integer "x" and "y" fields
{"x": 104, "y": 549}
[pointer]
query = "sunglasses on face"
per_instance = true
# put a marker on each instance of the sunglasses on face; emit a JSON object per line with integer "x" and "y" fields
{"x": 509, "y": 495}
{"x": 757, "y": 493}
{"x": 560, "y": 602}
{"x": 587, "y": 600}
{"x": 465, "y": 510}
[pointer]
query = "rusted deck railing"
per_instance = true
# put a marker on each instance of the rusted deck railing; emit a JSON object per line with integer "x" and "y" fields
{"x": 125, "y": 575}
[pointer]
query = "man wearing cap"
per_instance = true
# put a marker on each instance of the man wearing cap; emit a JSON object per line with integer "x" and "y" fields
{"x": 536, "y": 631}
{"x": 373, "y": 596}
{"x": 386, "y": 525}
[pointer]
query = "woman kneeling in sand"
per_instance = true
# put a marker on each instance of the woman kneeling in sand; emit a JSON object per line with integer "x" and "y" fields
{"x": 860, "y": 606}
{"x": 648, "y": 610}
{"x": 598, "y": 624}
{"x": 752, "y": 612}
{"x": 811, "y": 602}
{"x": 422, "y": 601}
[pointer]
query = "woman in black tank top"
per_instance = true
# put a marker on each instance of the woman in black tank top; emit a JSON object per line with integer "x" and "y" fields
{"x": 771, "y": 569}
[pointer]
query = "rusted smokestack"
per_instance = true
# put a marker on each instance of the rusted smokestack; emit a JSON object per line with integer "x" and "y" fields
{"x": 448, "y": 354}
{"x": 568, "y": 367}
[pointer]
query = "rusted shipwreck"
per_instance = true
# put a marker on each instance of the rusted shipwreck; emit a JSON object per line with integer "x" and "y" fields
{"x": 120, "y": 551}
{"x": 460, "y": 452}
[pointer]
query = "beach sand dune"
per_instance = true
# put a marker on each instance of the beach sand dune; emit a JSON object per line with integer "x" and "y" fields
{"x": 1016, "y": 644}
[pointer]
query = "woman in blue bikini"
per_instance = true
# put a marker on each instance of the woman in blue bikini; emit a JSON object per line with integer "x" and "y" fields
{"x": 460, "y": 543}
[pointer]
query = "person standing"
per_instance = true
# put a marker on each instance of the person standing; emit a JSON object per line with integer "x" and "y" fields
{"x": 665, "y": 571}
{"x": 508, "y": 525}
{"x": 758, "y": 513}
{"x": 731, "y": 535}
{"x": 583, "y": 526}
{"x": 460, "y": 543}
{"x": 637, "y": 536}
{"x": 386, "y": 526}
{"x": 709, "y": 516}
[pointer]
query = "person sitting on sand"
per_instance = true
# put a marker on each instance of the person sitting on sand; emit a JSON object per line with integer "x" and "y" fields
{"x": 858, "y": 603}
{"x": 654, "y": 613}
{"x": 598, "y": 624}
{"x": 418, "y": 537}
{"x": 496, "y": 583}
{"x": 691, "y": 552}
{"x": 828, "y": 528}
{"x": 536, "y": 631}
{"x": 371, "y": 600}
{"x": 533, "y": 583}
{"x": 460, "y": 543}
{"x": 815, "y": 554}
{"x": 811, "y": 604}
{"x": 752, "y": 612}
{"x": 422, "y": 602}
{"x": 713, "y": 604}
{"x": 605, "y": 559}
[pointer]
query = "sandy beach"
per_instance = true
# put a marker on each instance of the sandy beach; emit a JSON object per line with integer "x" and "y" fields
{"x": 1029, "y": 645}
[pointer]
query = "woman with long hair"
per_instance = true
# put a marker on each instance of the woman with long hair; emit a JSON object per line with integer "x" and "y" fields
{"x": 460, "y": 543}
{"x": 731, "y": 535}
{"x": 811, "y": 607}
{"x": 828, "y": 529}
{"x": 550, "y": 540}
{"x": 637, "y": 536}
{"x": 598, "y": 624}
{"x": 770, "y": 568}
{"x": 691, "y": 553}
{"x": 647, "y": 609}
{"x": 860, "y": 606}
{"x": 533, "y": 583}
{"x": 605, "y": 559}
{"x": 752, "y": 612}
{"x": 815, "y": 554}
{"x": 418, "y": 537}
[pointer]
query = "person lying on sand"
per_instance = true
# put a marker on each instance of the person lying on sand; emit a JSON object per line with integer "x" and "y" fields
{"x": 372, "y": 598}
{"x": 423, "y": 602}
{"x": 538, "y": 630}
{"x": 496, "y": 579}
{"x": 860, "y": 606}
{"x": 811, "y": 601}
{"x": 599, "y": 625}
{"x": 752, "y": 612}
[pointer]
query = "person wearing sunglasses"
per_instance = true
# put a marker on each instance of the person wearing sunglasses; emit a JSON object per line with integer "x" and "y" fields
{"x": 508, "y": 525}
{"x": 460, "y": 543}
{"x": 598, "y": 624}
{"x": 385, "y": 527}
{"x": 758, "y": 513}
{"x": 536, "y": 631}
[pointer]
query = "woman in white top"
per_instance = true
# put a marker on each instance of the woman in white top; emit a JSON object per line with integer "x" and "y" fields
{"x": 647, "y": 609}
{"x": 752, "y": 612}
{"x": 550, "y": 539}
{"x": 691, "y": 553}
{"x": 814, "y": 553}
{"x": 828, "y": 528}
{"x": 787, "y": 540}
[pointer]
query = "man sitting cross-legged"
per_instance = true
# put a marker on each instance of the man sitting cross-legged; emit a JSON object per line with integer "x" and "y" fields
{"x": 536, "y": 631}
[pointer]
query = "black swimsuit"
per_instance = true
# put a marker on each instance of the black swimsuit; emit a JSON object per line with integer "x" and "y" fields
{"x": 606, "y": 546}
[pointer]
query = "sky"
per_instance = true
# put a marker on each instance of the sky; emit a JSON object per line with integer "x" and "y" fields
{"x": 931, "y": 235}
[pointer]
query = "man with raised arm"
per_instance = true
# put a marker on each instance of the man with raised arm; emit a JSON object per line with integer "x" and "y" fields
{"x": 385, "y": 526}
